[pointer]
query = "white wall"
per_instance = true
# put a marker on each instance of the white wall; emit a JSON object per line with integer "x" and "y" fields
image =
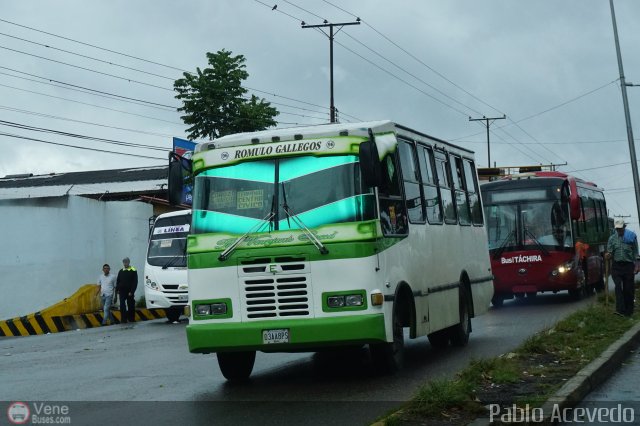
{"x": 50, "y": 247}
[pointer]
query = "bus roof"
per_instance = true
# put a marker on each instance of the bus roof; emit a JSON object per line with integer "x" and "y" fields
{"x": 319, "y": 131}
{"x": 175, "y": 213}
{"x": 547, "y": 174}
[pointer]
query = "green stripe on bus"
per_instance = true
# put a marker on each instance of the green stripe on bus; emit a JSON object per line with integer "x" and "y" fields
{"x": 336, "y": 251}
{"x": 303, "y": 333}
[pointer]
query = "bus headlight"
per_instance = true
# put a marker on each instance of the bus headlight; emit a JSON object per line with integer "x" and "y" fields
{"x": 564, "y": 268}
{"x": 353, "y": 300}
{"x": 350, "y": 300}
{"x": 212, "y": 309}
{"x": 218, "y": 308}
{"x": 335, "y": 301}
{"x": 203, "y": 309}
{"x": 151, "y": 284}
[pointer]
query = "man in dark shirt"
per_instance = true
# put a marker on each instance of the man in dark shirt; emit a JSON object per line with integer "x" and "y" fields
{"x": 622, "y": 247}
{"x": 126, "y": 284}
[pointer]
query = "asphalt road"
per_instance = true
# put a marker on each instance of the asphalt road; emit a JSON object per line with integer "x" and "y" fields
{"x": 147, "y": 376}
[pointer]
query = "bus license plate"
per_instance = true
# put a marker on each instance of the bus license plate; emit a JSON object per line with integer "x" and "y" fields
{"x": 275, "y": 336}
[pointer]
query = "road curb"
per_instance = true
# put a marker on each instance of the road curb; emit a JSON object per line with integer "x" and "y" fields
{"x": 587, "y": 379}
{"x": 39, "y": 323}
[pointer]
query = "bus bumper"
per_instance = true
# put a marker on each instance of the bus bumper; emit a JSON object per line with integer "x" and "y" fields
{"x": 304, "y": 334}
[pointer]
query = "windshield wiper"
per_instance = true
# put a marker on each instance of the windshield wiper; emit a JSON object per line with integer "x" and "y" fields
{"x": 290, "y": 214}
{"x": 535, "y": 240}
{"x": 255, "y": 228}
{"x": 504, "y": 244}
{"x": 173, "y": 260}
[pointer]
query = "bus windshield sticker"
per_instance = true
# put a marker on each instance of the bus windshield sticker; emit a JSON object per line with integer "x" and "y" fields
{"x": 250, "y": 199}
{"x": 222, "y": 199}
{"x": 175, "y": 229}
{"x": 165, "y": 243}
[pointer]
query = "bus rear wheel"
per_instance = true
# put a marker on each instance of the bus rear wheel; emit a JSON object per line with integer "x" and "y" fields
{"x": 236, "y": 366}
{"x": 459, "y": 333}
{"x": 389, "y": 357}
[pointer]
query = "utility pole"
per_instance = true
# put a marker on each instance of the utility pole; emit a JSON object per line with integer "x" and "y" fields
{"x": 332, "y": 107}
{"x": 627, "y": 116}
{"x": 488, "y": 121}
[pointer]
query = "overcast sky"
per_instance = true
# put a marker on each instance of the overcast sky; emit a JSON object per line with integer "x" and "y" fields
{"x": 549, "y": 65}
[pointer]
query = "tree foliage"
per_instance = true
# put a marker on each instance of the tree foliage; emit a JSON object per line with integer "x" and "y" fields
{"x": 214, "y": 102}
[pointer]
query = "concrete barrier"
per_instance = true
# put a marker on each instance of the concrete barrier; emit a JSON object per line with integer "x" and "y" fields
{"x": 79, "y": 311}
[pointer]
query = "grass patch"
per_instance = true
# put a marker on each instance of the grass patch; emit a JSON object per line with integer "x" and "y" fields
{"x": 529, "y": 375}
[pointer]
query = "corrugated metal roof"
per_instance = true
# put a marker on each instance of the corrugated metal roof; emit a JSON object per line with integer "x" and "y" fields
{"x": 85, "y": 183}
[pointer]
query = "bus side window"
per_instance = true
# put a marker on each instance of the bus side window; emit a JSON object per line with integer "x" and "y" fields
{"x": 411, "y": 177}
{"x": 429, "y": 185}
{"x": 472, "y": 191}
{"x": 444, "y": 183}
{"x": 462, "y": 202}
{"x": 393, "y": 216}
{"x": 583, "y": 219}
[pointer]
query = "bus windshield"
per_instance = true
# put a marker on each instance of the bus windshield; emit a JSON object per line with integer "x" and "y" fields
{"x": 529, "y": 224}
{"x": 167, "y": 243}
{"x": 317, "y": 190}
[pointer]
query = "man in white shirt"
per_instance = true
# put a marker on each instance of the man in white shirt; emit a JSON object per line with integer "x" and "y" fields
{"x": 107, "y": 283}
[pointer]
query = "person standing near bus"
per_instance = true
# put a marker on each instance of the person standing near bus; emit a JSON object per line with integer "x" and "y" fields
{"x": 126, "y": 285}
{"x": 106, "y": 290}
{"x": 622, "y": 247}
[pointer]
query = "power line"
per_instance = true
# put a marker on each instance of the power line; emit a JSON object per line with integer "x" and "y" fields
{"x": 55, "y": 117}
{"x": 92, "y": 105}
{"x": 86, "y": 69}
{"x": 599, "y": 167}
{"x": 403, "y": 81}
{"x": 542, "y": 112}
{"x": 92, "y": 45}
{"x": 87, "y": 90}
{"x": 161, "y": 64}
{"x": 411, "y": 74}
{"x": 87, "y": 57}
{"x": 79, "y": 136}
{"x": 10, "y": 135}
{"x": 553, "y": 143}
{"x": 415, "y": 57}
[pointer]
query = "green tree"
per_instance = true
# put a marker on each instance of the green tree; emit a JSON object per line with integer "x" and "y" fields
{"x": 214, "y": 100}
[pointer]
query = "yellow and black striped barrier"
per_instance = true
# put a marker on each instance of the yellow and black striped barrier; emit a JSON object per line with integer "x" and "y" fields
{"x": 78, "y": 311}
{"x": 37, "y": 323}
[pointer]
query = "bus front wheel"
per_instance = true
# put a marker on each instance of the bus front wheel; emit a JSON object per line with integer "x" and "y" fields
{"x": 389, "y": 357}
{"x": 236, "y": 366}
{"x": 173, "y": 314}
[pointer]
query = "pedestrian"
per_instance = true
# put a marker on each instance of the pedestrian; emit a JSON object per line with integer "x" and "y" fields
{"x": 622, "y": 247}
{"x": 106, "y": 290}
{"x": 126, "y": 284}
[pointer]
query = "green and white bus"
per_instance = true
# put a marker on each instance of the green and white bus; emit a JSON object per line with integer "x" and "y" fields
{"x": 331, "y": 236}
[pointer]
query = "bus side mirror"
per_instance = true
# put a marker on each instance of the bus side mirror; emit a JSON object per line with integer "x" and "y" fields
{"x": 179, "y": 170}
{"x": 370, "y": 165}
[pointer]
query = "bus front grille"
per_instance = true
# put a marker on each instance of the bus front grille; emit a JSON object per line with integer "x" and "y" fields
{"x": 276, "y": 287}
{"x": 273, "y": 297}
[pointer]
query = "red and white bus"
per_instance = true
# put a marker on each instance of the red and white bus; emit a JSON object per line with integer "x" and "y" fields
{"x": 534, "y": 221}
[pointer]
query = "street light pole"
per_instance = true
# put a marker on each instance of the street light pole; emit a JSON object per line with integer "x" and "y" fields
{"x": 627, "y": 115}
{"x": 332, "y": 107}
